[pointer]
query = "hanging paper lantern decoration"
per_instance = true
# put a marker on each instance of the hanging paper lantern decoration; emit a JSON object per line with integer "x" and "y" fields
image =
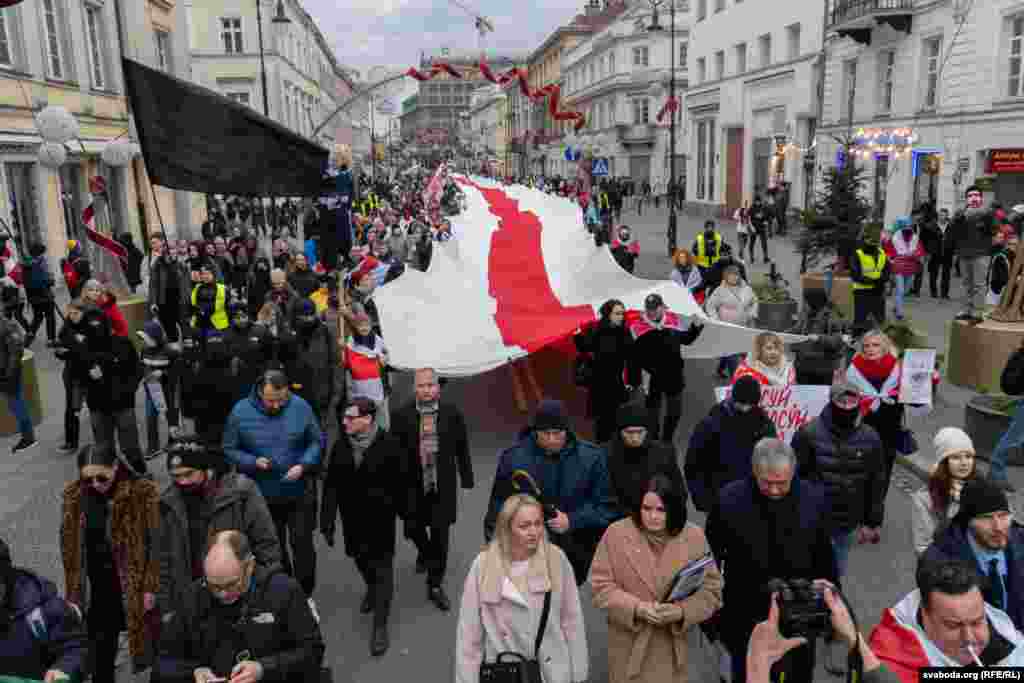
{"x": 52, "y": 154}
{"x": 57, "y": 124}
{"x": 117, "y": 153}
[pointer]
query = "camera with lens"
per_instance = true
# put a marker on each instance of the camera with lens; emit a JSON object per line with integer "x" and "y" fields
{"x": 802, "y": 608}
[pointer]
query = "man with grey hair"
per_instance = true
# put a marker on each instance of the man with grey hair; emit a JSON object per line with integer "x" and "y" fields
{"x": 770, "y": 525}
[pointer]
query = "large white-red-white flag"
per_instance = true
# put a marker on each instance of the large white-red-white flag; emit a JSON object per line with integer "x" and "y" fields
{"x": 520, "y": 273}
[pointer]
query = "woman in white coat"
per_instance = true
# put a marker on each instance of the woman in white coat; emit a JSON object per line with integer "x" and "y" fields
{"x": 504, "y": 596}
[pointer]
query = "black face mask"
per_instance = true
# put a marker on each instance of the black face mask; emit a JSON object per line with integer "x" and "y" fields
{"x": 845, "y": 418}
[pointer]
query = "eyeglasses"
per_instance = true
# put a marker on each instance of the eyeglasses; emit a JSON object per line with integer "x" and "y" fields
{"x": 98, "y": 479}
{"x": 225, "y": 587}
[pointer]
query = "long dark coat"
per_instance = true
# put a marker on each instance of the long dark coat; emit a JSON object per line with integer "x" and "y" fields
{"x": 453, "y": 454}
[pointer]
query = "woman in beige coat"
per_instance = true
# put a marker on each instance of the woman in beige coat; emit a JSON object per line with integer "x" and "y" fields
{"x": 504, "y": 597}
{"x": 633, "y": 567}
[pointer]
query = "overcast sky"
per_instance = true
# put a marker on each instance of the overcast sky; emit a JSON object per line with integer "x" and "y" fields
{"x": 367, "y": 33}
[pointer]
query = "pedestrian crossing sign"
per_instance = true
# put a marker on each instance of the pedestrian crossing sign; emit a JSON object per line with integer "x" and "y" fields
{"x": 600, "y": 166}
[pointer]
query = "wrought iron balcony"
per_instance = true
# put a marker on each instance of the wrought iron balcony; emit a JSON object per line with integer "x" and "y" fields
{"x": 857, "y": 18}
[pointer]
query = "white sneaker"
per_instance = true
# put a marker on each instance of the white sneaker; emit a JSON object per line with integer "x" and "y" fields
{"x": 312, "y": 608}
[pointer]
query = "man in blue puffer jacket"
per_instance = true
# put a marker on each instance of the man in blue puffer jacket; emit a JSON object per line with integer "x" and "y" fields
{"x": 568, "y": 475}
{"x": 274, "y": 438}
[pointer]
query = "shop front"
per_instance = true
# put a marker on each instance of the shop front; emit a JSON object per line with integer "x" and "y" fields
{"x": 1006, "y": 167}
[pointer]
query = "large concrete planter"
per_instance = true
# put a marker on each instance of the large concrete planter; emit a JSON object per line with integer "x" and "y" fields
{"x": 986, "y": 422}
{"x": 32, "y": 393}
{"x": 978, "y": 353}
{"x": 134, "y": 310}
{"x": 776, "y": 316}
{"x": 842, "y": 293}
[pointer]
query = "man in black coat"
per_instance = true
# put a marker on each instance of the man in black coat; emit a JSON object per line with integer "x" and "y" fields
{"x": 169, "y": 288}
{"x": 241, "y": 621}
{"x": 839, "y": 451}
{"x": 771, "y": 525}
{"x": 133, "y": 267}
{"x": 433, "y": 434}
{"x": 633, "y": 458}
{"x": 371, "y": 482}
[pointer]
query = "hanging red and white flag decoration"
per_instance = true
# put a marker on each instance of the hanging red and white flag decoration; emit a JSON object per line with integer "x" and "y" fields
{"x": 671, "y": 105}
{"x": 98, "y": 189}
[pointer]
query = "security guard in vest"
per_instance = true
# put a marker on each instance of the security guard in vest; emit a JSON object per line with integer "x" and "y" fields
{"x": 707, "y": 248}
{"x": 209, "y": 302}
{"x": 369, "y": 204}
{"x": 869, "y": 271}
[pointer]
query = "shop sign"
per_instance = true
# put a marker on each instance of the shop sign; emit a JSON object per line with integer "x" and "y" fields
{"x": 1006, "y": 160}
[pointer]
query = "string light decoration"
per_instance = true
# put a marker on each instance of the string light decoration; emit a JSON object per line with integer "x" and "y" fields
{"x": 897, "y": 143}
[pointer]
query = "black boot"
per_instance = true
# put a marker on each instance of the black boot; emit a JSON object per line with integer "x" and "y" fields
{"x": 72, "y": 427}
{"x": 380, "y": 641}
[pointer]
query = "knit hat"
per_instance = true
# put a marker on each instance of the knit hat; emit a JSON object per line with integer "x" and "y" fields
{"x": 632, "y": 414}
{"x": 190, "y": 452}
{"x": 653, "y": 301}
{"x": 550, "y": 415}
{"x": 152, "y": 333}
{"x": 948, "y": 441}
{"x": 980, "y": 497}
{"x": 746, "y": 390}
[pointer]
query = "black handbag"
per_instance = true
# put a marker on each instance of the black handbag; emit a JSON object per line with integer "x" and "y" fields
{"x": 512, "y": 667}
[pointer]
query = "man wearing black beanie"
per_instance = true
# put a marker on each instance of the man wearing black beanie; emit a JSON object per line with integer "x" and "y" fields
{"x": 984, "y": 534}
{"x": 635, "y": 456}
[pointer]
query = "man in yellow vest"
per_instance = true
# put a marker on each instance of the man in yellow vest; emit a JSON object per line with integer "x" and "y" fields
{"x": 869, "y": 271}
{"x": 707, "y": 248}
{"x": 209, "y": 302}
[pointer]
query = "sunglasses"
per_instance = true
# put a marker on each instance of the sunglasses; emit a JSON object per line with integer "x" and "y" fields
{"x": 98, "y": 479}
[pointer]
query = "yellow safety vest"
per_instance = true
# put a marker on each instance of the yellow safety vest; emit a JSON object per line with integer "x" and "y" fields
{"x": 220, "y": 308}
{"x": 603, "y": 200}
{"x": 701, "y": 257}
{"x": 871, "y": 268}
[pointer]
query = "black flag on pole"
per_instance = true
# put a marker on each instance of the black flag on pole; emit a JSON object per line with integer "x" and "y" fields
{"x": 193, "y": 138}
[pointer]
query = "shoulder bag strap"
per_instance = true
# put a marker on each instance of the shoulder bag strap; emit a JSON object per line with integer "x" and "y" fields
{"x": 543, "y": 625}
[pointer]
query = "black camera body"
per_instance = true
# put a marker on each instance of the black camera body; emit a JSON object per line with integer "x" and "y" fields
{"x": 802, "y": 608}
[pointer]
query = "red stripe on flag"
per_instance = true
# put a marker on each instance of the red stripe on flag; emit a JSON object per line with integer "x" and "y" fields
{"x": 88, "y": 215}
{"x": 529, "y": 315}
{"x": 103, "y": 242}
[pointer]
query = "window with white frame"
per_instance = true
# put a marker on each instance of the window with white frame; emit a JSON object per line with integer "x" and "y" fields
{"x": 793, "y": 40}
{"x": 765, "y": 44}
{"x": 741, "y": 58}
{"x": 603, "y": 73}
{"x": 612, "y": 104}
{"x": 591, "y": 73}
{"x": 641, "y": 110}
{"x": 702, "y": 9}
{"x": 163, "y": 51}
{"x": 1015, "y": 85}
{"x": 55, "y": 65}
{"x": 702, "y": 70}
{"x": 702, "y": 157}
{"x": 640, "y": 55}
{"x": 932, "y": 59}
{"x": 849, "y": 87}
{"x": 886, "y": 79}
{"x": 94, "y": 34}
{"x": 231, "y": 34}
{"x": 611, "y": 63}
{"x": 684, "y": 48}
{"x": 720, "y": 64}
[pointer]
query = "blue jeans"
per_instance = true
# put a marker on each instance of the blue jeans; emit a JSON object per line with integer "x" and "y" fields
{"x": 842, "y": 541}
{"x": 1012, "y": 438}
{"x": 903, "y": 285}
{"x": 16, "y": 400}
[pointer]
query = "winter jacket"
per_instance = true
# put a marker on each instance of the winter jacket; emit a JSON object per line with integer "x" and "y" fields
{"x": 850, "y": 465}
{"x": 231, "y": 502}
{"x": 610, "y": 348}
{"x": 857, "y": 272}
{"x": 292, "y": 437}
{"x": 280, "y": 633}
{"x": 754, "y": 540}
{"x": 656, "y": 349}
{"x": 314, "y": 367}
{"x": 902, "y": 646}
{"x": 690, "y": 279}
{"x": 134, "y": 535}
{"x": 133, "y": 267}
{"x": 973, "y": 230}
{"x": 162, "y": 272}
{"x": 495, "y": 617}
{"x": 952, "y": 544}
{"x": 38, "y": 281}
{"x": 737, "y": 305}
{"x": 928, "y": 523}
{"x": 629, "y": 470}
{"x": 258, "y": 287}
{"x": 118, "y": 323}
{"x": 625, "y": 573}
{"x": 1012, "y": 379}
{"x": 115, "y": 390}
{"x": 304, "y": 282}
{"x": 45, "y": 633}
{"x": 904, "y": 255}
{"x": 12, "y": 347}
{"x": 576, "y": 481}
{"x": 720, "y": 449}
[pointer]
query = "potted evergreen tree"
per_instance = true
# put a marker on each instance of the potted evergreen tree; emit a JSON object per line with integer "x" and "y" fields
{"x": 776, "y": 307}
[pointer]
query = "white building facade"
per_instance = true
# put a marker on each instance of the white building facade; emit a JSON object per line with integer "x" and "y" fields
{"x": 485, "y": 123}
{"x": 619, "y": 78}
{"x": 949, "y": 74}
{"x": 752, "y": 102}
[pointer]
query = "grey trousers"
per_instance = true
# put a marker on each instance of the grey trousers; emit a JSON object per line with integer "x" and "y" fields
{"x": 975, "y": 270}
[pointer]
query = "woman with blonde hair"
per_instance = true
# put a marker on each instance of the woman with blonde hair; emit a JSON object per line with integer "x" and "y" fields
{"x": 767, "y": 362}
{"x": 503, "y": 602}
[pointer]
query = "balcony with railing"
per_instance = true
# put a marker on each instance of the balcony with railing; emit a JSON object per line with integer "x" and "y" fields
{"x": 856, "y": 19}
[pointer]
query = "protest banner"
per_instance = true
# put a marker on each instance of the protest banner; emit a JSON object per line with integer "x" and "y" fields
{"x": 789, "y": 407}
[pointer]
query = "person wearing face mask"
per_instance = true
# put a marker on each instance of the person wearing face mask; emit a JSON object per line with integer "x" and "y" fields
{"x": 241, "y": 622}
{"x": 202, "y": 500}
{"x": 937, "y": 503}
{"x": 248, "y": 346}
{"x": 209, "y": 302}
{"x": 983, "y": 533}
{"x": 625, "y": 249}
{"x": 707, "y": 248}
{"x": 772, "y": 524}
{"x": 301, "y": 278}
{"x": 906, "y": 256}
{"x": 839, "y": 451}
{"x": 609, "y": 345}
{"x": 572, "y": 478}
{"x": 722, "y": 443}
{"x": 633, "y": 458}
{"x": 210, "y": 389}
{"x": 161, "y": 368}
{"x": 870, "y": 270}
{"x": 110, "y": 524}
{"x": 285, "y": 469}
{"x": 370, "y": 470}
{"x": 113, "y": 373}
{"x": 258, "y": 286}
{"x": 767, "y": 363}
{"x": 313, "y": 366}
{"x": 30, "y": 607}
{"x": 169, "y": 287}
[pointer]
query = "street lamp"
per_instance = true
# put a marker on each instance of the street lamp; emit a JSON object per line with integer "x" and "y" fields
{"x": 655, "y": 27}
{"x": 279, "y": 18}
